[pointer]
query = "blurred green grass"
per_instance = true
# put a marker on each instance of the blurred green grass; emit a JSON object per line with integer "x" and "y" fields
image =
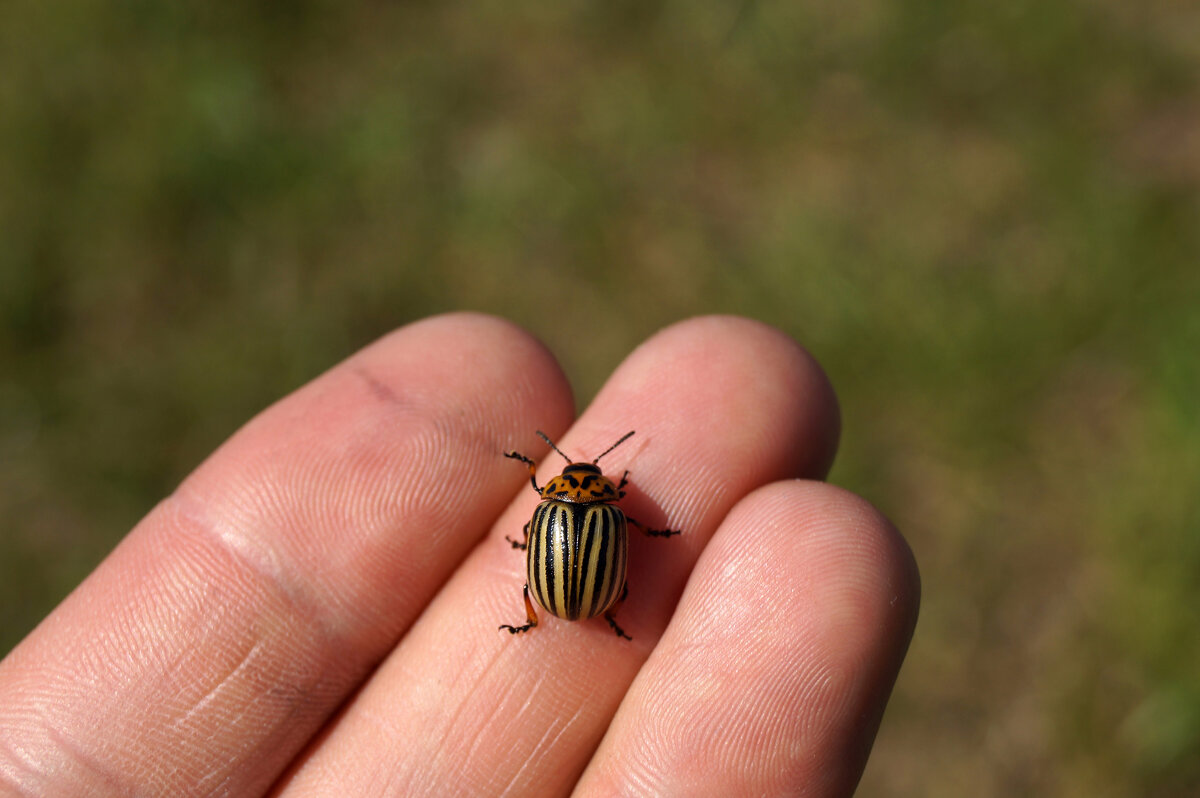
{"x": 982, "y": 218}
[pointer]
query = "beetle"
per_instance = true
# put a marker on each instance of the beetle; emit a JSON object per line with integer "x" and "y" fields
{"x": 577, "y": 542}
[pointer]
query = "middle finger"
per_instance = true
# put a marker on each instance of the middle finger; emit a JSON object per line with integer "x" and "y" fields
{"x": 462, "y": 707}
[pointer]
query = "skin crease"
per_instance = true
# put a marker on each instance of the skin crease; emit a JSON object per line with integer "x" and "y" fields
{"x": 311, "y": 563}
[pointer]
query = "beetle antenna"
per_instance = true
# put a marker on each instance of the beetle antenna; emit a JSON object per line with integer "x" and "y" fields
{"x": 555, "y": 448}
{"x": 624, "y": 438}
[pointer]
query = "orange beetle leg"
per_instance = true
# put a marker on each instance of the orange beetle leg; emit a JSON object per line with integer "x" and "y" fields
{"x": 532, "y": 468}
{"x": 612, "y": 611}
{"x": 530, "y": 617}
{"x": 654, "y": 533}
{"x": 524, "y": 539}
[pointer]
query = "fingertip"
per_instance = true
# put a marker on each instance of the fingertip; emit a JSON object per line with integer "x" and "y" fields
{"x": 480, "y": 345}
{"x": 774, "y": 672}
{"x": 753, "y": 367}
{"x": 817, "y": 563}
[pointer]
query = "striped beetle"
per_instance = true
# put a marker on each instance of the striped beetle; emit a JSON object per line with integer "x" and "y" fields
{"x": 576, "y": 543}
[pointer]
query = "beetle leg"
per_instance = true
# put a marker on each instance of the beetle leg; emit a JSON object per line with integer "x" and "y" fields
{"x": 612, "y": 611}
{"x": 532, "y": 468}
{"x": 653, "y": 533}
{"x": 524, "y": 538}
{"x": 531, "y": 619}
{"x": 624, "y": 482}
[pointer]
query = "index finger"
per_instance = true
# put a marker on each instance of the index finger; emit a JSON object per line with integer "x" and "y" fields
{"x": 218, "y": 636}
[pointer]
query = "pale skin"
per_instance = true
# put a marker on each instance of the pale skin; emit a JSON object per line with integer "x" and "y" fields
{"x": 314, "y": 610}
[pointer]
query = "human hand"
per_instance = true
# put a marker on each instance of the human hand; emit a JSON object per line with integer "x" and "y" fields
{"x": 315, "y": 609}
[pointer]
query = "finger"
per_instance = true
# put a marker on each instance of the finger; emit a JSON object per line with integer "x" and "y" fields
{"x": 774, "y": 672}
{"x": 720, "y": 406}
{"x": 220, "y": 634}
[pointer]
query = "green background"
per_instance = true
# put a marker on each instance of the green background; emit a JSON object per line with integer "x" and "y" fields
{"x": 983, "y": 218}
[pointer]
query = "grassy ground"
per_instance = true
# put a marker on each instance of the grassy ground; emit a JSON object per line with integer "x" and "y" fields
{"x": 982, "y": 217}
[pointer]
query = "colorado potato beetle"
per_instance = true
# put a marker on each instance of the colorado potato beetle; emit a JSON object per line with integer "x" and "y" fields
{"x": 577, "y": 543}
